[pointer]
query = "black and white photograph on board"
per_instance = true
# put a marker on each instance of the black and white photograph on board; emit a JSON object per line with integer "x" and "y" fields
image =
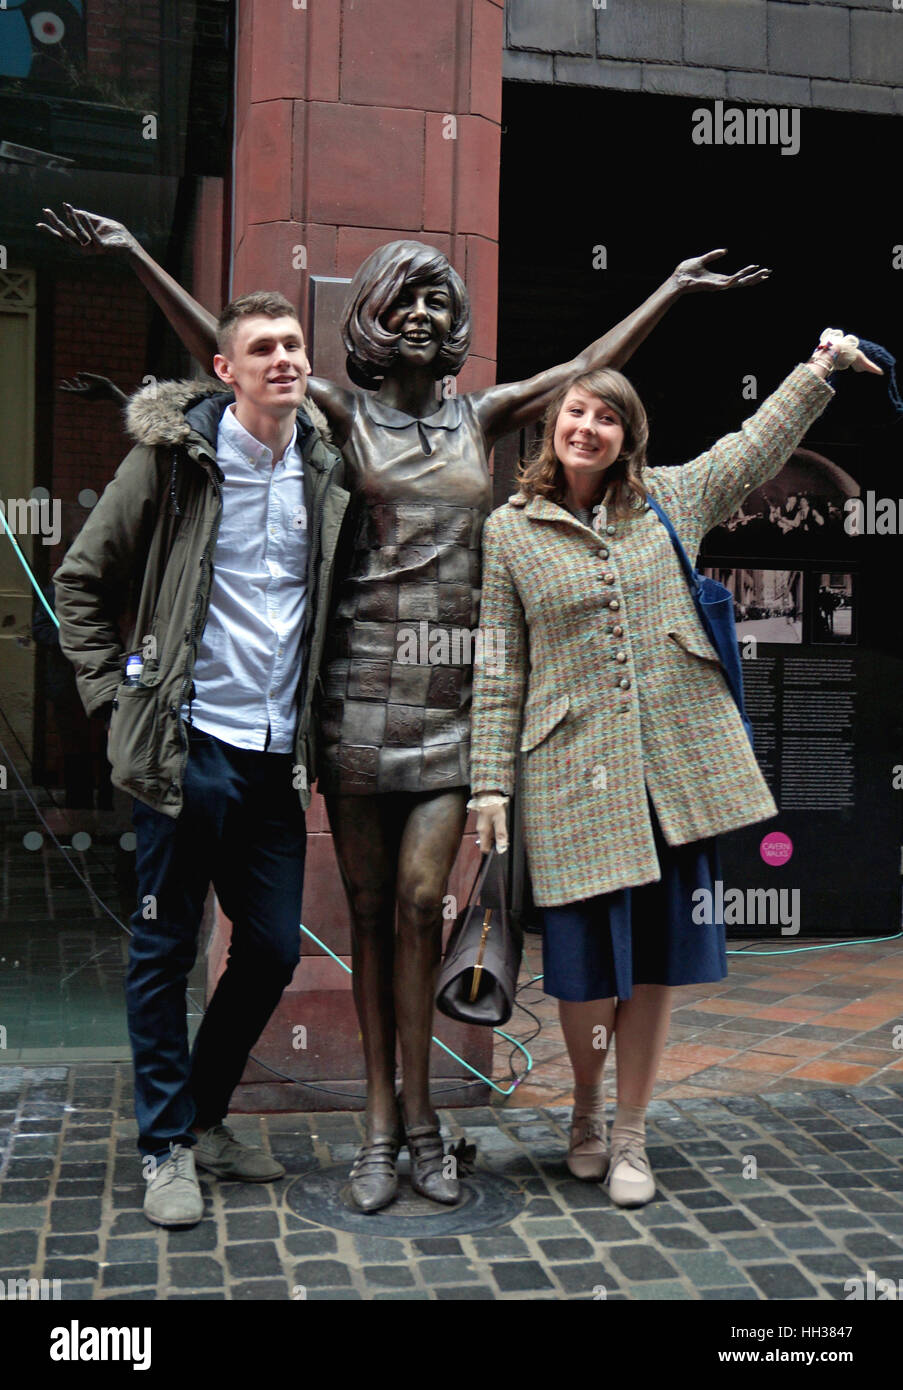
{"x": 799, "y": 512}
{"x": 833, "y": 610}
{"x": 768, "y": 603}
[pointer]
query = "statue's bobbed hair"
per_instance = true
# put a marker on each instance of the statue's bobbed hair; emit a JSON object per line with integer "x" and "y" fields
{"x": 371, "y": 348}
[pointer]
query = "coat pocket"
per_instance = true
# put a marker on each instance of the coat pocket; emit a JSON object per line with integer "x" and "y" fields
{"x": 541, "y": 720}
{"x": 695, "y": 643}
{"x": 132, "y": 742}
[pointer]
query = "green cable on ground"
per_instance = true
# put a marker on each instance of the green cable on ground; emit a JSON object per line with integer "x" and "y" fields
{"x": 825, "y": 946}
{"x": 506, "y": 1036}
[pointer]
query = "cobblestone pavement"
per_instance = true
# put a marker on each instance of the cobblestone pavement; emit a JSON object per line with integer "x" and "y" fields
{"x": 823, "y": 1203}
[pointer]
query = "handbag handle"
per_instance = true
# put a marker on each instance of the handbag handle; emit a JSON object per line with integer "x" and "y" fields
{"x": 479, "y": 882}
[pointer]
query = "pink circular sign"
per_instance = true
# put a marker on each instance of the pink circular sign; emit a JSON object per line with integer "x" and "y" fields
{"x": 776, "y": 848}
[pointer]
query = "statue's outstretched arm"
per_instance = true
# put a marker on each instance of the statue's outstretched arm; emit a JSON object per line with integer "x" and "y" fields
{"x": 196, "y": 326}
{"x": 502, "y": 409}
{"x": 100, "y": 236}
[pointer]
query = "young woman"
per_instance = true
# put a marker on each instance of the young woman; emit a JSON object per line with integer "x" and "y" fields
{"x": 635, "y": 756}
{"x": 394, "y": 756}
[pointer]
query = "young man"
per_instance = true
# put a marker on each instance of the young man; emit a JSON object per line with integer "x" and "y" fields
{"x": 219, "y": 532}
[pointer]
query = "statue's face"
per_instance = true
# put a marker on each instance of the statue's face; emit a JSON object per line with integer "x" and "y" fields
{"x": 422, "y": 315}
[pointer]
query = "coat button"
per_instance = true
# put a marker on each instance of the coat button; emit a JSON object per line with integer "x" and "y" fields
{"x": 624, "y": 683}
{"x": 613, "y": 604}
{"x": 608, "y": 577}
{"x": 603, "y": 553}
{"x": 621, "y": 657}
{"x": 610, "y": 530}
{"x": 618, "y": 631}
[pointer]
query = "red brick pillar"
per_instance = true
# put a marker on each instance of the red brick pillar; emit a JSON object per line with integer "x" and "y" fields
{"x": 358, "y": 122}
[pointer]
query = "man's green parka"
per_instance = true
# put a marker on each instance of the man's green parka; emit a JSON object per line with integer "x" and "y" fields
{"x": 147, "y": 549}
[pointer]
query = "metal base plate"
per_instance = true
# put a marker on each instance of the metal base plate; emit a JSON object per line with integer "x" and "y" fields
{"x": 324, "y": 1197}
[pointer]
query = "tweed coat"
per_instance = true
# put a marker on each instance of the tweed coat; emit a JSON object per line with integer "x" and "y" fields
{"x": 609, "y": 685}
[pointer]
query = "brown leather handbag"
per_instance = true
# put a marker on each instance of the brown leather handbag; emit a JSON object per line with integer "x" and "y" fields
{"x": 478, "y": 976}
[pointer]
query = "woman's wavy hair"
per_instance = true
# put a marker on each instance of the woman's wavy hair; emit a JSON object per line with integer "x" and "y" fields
{"x": 371, "y": 348}
{"x": 541, "y": 474}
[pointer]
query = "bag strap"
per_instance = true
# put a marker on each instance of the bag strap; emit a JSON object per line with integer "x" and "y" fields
{"x": 479, "y": 882}
{"x": 690, "y": 574}
{"x": 476, "y": 887}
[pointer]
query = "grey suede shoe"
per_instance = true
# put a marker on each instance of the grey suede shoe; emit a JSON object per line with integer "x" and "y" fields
{"x": 173, "y": 1196}
{"x": 218, "y": 1151}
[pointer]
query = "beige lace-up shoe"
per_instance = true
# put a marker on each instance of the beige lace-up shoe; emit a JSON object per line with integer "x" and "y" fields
{"x": 587, "y": 1156}
{"x": 630, "y": 1180}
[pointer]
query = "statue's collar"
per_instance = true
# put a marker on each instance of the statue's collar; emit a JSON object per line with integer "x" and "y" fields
{"x": 447, "y": 417}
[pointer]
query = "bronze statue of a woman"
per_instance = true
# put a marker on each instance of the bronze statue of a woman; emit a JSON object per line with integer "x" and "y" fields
{"x": 394, "y": 747}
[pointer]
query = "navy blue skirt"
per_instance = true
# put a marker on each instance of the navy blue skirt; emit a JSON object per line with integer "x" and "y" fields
{"x": 599, "y": 948}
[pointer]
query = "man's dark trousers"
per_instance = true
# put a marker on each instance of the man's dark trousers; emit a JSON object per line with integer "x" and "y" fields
{"x": 242, "y": 828}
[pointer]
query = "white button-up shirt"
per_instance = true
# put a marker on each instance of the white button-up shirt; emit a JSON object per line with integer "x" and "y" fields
{"x": 249, "y": 659}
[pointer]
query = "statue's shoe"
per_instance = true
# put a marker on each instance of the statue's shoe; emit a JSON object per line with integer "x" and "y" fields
{"x": 374, "y": 1172}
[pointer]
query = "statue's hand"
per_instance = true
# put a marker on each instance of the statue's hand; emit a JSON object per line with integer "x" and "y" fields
{"x": 91, "y": 233}
{"x": 92, "y": 387}
{"x": 694, "y": 274}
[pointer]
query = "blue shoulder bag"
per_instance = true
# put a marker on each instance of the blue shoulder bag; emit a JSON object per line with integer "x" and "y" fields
{"x": 715, "y": 607}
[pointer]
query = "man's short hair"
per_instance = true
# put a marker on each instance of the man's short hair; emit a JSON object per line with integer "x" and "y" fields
{"x": 270, "y": 303}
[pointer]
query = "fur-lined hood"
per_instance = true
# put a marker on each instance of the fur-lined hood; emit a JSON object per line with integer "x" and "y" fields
{"x": 157, "y": 413}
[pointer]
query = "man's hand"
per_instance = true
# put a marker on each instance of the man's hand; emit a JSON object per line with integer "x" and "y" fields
{"x": 694, "y": 274}
{"x": 91, "y": 233}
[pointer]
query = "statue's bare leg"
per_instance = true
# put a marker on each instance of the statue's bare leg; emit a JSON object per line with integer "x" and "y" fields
{"x": 429, "y": 845}
{"x": 366, "y": 832}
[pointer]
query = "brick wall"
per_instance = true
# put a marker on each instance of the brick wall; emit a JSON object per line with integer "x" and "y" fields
{"x": 88, "y": 438}
{"x": 123, "y": 42}
{"x": 846, "y": 56}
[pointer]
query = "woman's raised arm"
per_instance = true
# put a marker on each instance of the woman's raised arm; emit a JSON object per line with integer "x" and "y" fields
{"x": 501, "y": 409}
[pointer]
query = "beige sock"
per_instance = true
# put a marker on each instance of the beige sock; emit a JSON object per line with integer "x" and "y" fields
{"x": 589, "y": 1100}
{"x": 630, "y": 1122}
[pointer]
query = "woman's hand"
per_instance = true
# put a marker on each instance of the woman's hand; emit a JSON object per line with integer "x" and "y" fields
{"x": 91, "y": 233}
{"x": 835, "y": 352}
{"x": 694, "y": 274}
{"x": 492, "y": 821}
